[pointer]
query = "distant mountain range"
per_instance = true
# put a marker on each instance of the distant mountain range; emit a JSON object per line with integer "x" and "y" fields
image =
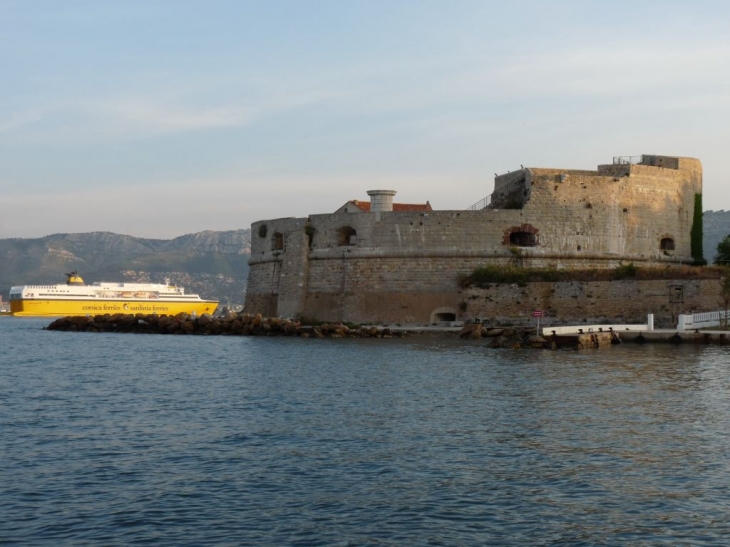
{"x": 716, "y": 226}
{"x": 212, "y": 264}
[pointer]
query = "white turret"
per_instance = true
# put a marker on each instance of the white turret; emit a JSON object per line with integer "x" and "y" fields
{"x": 381, "y": 200}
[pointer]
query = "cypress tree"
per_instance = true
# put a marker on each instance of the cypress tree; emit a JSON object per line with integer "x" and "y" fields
{"x": 696, "y": 233}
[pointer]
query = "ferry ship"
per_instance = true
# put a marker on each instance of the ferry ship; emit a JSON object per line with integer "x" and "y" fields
{"x": 76, "y": 298}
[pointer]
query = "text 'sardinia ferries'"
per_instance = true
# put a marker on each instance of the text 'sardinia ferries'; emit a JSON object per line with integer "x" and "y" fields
{"x": 76, "y": 298}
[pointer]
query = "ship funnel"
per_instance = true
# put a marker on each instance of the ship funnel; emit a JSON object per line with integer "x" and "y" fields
{"x": 74, "y": 278}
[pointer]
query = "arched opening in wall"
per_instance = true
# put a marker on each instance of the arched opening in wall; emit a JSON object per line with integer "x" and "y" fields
{"x": 522, "y": 239}
{"x": 524, "y": 235}
{"x": 443, "y": 315}
{"x": 346, "y": 235}
{"x": 666, "y": 244}
{"x": 277, "y": 242}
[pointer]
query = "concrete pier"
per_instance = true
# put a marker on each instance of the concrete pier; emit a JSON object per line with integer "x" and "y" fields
{"x": 677, "y": 337}
{"x": 594, "y": 340}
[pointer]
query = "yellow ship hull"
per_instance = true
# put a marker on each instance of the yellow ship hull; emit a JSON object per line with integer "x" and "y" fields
{"x": 64, "y": 308}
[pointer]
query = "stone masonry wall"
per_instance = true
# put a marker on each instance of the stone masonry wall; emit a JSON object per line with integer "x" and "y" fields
{"x": 592, "y": 302}
{"x": 278, "y": 267}
{"x": 405, "y": 266}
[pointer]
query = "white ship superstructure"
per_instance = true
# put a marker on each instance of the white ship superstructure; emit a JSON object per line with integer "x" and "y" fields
{"x": 76, "y": 298}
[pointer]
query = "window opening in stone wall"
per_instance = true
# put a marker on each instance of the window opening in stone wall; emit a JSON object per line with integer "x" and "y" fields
{"x": 666, "y": 244}
{"x": 676, "y": 294}
{"x": 346, "y": 236}
{"x": 445, "y": 317}
{"x": 522, "y": 239}
{"x": 277, "y": 242}
{"x": 310, "y": 230}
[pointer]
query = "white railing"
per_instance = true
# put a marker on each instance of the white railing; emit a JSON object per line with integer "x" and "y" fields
{"x": 627, "y": 160}
{"x": 585, "y": 329}
{"x": 700, "y": 320}
{"x": 481, "y": 204}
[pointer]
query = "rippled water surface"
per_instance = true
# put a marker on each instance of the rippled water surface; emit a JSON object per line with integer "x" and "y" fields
{"x": 119, "y": 439}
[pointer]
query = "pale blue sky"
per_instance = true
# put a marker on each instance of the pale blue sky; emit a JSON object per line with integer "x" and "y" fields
{"x": 160, "y": 118}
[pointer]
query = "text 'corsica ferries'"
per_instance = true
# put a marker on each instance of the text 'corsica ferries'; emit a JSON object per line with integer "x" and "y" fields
{"x": 76, "y": 298}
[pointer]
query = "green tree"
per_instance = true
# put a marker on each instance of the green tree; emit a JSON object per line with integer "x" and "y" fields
{"x": 723, "y": 252}
{"x": 725, "y": 296}
{"x": 696, "y": 234}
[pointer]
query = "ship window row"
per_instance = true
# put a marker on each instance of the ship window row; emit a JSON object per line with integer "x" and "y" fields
{"x": 56, "y": 294}
{"x": 110, "y": 297}
{"x": 48, "y": 288}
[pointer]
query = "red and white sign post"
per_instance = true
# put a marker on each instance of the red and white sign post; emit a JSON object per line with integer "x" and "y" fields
{"x": 538, "y": 314}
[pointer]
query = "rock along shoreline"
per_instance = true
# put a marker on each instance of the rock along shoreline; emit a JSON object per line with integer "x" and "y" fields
{"x": 244, "y": 324}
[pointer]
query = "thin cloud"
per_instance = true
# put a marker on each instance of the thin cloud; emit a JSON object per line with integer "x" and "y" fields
{"x": 598, "y": 72}
{"x": 135, "y": 115}
{"x": 19, "y": 120}
{"x": 142, "y": 115}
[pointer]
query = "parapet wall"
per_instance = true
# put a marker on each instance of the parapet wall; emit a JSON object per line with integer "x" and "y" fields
{"x": 405, "y": 266}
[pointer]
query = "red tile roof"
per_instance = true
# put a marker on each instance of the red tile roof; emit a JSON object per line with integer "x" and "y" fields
{"x": 364, "y": 206}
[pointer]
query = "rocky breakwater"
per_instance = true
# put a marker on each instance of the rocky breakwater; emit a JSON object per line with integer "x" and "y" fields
{"x": 507, "y": 337}
{"x": 245, "y": 324}
{"x": 234, "y": 324}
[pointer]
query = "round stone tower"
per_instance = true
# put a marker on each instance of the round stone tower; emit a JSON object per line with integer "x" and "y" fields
{"x": 381, "y": 200}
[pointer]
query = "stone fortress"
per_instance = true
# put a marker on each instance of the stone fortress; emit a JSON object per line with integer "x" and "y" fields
{"x": 381, "y": 261}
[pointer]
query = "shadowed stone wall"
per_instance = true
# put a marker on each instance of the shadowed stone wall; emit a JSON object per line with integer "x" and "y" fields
{"x": 592, "y": 302}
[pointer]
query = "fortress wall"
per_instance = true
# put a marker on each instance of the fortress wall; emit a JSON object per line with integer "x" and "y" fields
{"x": 378, "y": 290}
{"x": 277, "y": 276}
{"x": 420, "y": 275}
{"x": 388, "y": 275}
{"x": 507, "y": 180}
{"x": 404, "y": 308}
{"x": 511, "y": 190}
{"x": 393, "y": 289}
{"x": 262, "y": 291}
{"x": 620, "y": 215}
{"x": 381, "y": 289}
{"x": 615, "y": 170}
{"x": 407, "y": 231}
{"x": 593, "y": 302}
{"x": 405, "y": 265}
{"x": 560, "y": 228}
{"x": 662, "y": 161}
{"x": 626, "y": 218}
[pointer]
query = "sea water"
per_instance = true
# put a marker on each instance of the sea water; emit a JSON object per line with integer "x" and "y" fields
{"x": 124, "y": 439}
